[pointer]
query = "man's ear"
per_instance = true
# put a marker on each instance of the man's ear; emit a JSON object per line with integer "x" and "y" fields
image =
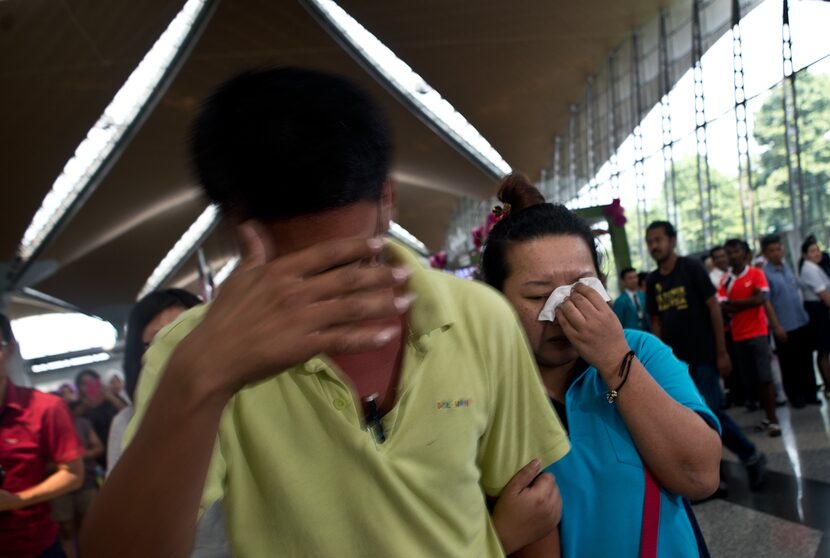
{"x": 255, "y": 243}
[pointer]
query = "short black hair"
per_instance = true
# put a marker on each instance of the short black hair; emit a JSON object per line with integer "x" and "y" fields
{"x": 144, "y": 312}
{"x": 530, "y": 218}
{"x": 276, "y": 143}
{"x": 737, "y": 243}
{"x": 6, "y": 329}
{"x": 769, "y": 240}
{"x": 626, "y": 271}
{"x": 669, "y": 229}
{"x": 714, "y": 249}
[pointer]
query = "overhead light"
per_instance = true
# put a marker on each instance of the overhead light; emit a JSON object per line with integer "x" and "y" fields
{"x": 70, "y": 362}
{"x": 402, "y": 235}
{"x": 412, "y": 88}
{"x": 183, "y": 248}
{"x": 77, "y": 176}
{"x": 46, "y": 335}
{"x": 226, "y": 271}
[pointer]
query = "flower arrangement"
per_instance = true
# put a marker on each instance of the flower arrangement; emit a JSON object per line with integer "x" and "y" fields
{"x": 481, "y": 232}
{"x": 438, "y": 260}
{"x": 615, "y": 213}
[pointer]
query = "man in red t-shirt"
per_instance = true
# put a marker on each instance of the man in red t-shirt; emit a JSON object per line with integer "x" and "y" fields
{"x": 743, "y": 294}
{"x": 36, "y": 431}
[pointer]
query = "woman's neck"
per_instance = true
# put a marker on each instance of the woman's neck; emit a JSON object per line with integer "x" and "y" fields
{"x": 557, "y": 379}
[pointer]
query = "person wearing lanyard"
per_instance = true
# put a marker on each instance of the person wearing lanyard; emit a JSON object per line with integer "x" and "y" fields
{"x": 640, "y": 432}
{"x": 630, "y": 306}
{"x": 36, "y": 431}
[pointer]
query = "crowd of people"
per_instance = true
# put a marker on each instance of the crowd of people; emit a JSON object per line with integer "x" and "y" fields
{"x": 337, "y": 398}
{"x": 734, "y": 323}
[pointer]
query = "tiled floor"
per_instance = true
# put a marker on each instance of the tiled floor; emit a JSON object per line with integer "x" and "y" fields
{"x": 790, "y": 516}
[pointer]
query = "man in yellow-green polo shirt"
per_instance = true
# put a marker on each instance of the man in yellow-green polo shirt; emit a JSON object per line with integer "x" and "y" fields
{"x": 338, "y": 398}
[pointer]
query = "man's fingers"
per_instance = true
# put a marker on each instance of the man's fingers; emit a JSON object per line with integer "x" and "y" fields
{"x": 523, "y": 477}
{"x": 347, "y": 280}
{"x": 544, "y": 484}
{"x": 357, "y": 308}
{"x": 353, "y": 339}
{"x": 329, "y": 255}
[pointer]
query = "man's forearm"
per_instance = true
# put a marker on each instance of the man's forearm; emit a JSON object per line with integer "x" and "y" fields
{"x": 717, "y": 325}
{"x": 773, "y": 317}
{"x": 748, "y": 303}
{"x": 67, "y": 478}
{"x": 160, "y": 476}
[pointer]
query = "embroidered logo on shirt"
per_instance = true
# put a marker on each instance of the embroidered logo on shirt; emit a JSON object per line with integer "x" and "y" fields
{"x": 450, "y": 404}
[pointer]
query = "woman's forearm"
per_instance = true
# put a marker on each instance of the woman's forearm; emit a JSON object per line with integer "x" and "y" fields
{"x": 679, "y": 447}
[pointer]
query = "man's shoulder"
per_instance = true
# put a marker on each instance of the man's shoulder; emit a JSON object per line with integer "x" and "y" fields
{"x": 463, "y": 298}
{"x": 170, "y": 336}
{"x": 40, "y": 402}
{"x": 183, "y": 325}
{"x": 758, "y": 275}
{"x": 40, "y": 398}
{"x": 690, "y": 263}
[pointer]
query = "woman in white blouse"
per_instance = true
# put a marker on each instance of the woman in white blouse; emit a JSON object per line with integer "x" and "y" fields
{"x": 816, "y": 287}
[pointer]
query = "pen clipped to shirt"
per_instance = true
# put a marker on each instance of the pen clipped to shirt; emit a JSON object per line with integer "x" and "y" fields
{"x": 373, "y": 419}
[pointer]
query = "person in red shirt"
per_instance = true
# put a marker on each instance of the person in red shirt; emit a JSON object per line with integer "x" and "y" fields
{"x": 36, "y": 431}
{"x": 743, "y": 293}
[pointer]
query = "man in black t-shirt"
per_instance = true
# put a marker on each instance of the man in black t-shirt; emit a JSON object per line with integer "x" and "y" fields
{"x": 685, "y": 314}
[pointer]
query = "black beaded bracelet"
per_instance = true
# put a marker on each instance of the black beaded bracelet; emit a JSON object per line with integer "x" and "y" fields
{"x": 625, "y": 368}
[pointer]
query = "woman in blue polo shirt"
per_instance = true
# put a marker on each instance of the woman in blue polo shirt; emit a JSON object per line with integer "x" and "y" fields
{"x": 643, "y": 441}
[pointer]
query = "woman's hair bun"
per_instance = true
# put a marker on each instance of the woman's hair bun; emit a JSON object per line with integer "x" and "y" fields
{"x": 517, "y": 190}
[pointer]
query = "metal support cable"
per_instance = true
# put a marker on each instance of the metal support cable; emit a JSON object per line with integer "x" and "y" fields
{"x": 669, "y": 173}
{"x": 703, "y": 173}
{"x": 791, "y": 137}
{"x": 639, "y": 159}
{"x": 590, "y": 158}
{"x": 557, "y": 169}
{"x": 572, "y": 153}
{"x": 613, "y": 125}
{"x": 745, "y": 190}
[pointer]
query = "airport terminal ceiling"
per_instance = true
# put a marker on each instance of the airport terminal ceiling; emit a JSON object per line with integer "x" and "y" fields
{"x": 512, "y": 69}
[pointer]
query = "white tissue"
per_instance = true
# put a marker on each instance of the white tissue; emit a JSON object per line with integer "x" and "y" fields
{"x": 556, "y": 298}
